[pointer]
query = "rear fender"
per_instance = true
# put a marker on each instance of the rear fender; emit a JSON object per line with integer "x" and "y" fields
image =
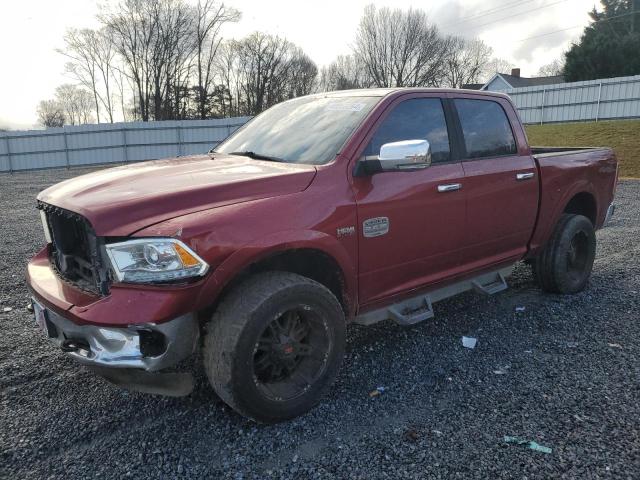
{"x": 553, "y": 203}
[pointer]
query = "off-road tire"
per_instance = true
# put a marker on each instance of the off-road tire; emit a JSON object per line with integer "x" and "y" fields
{"x": 240, "y": 320}
{"x": 553, "y": 268}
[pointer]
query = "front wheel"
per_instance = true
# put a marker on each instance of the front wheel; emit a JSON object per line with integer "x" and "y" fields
{"x": 274, "y": 346}
{"x": 565, "y": 264}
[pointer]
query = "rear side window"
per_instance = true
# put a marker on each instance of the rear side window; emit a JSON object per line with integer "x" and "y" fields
{"x": 414, "y": 119}
{"x": 486, "y": 128}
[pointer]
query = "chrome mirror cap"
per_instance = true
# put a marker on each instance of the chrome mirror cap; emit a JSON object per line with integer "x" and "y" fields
{"x": 407, "y": 154}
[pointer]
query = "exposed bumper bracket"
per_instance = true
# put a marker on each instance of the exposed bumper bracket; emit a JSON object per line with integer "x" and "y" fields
{"x": 169, "y": 384}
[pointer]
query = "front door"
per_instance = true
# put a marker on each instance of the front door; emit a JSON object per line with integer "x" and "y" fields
{"x": 411, "y": 224}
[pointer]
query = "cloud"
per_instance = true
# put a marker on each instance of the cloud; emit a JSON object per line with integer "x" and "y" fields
{"x": 528, "y": 49}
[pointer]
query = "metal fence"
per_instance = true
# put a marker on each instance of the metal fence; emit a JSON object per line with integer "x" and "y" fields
{"x": 612, "y": 98}
{"x": 111, "y": 143}
{"x": 593, "y": 100}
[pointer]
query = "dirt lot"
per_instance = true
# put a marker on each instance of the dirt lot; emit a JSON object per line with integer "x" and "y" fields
{"x": 564, "y": 372}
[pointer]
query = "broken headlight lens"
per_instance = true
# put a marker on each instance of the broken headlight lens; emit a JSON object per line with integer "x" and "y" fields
{"x": 152, "y": 260}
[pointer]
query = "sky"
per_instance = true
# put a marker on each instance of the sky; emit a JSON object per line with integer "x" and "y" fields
{"x": 527, "y": 33}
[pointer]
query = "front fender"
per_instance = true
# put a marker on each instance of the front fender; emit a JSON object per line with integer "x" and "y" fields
{"x": 261, "y": 248}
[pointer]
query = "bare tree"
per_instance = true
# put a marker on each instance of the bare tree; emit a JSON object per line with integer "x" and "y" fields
{"x": 210, "y": 17}
{"x": 264, "y": 64}
{"x": 50, "y": 114}
{"x": 344, "y": 73}
{"x": 552, "y": 69}
{"x": 400, "y": 48}
{"x": 132, "y": 27}
{"x": 261, "y": 61}
{"x": 92, "y": 55}
{"x": 302, "y": 74}
{"x": 167, "y": 56}
{"x": 466, "y": 61}
{"x": 76, "y": 103}
{"x": 228, "y": 90}
{"x": 496, "y": 65}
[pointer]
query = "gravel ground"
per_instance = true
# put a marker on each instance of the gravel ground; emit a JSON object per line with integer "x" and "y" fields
{"x": 568, "y": 378}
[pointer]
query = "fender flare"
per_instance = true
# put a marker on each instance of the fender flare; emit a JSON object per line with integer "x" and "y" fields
{"x": 541, "y": 238}
{"x": 261, "y": 248}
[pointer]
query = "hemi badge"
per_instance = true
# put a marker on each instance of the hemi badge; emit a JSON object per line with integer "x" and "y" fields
{"x": 345, "y": 231}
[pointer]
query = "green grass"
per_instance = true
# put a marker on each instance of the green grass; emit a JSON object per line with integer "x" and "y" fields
{"x": 621, "y": 135}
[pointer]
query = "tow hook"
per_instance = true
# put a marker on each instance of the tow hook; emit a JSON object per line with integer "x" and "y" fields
{"x": 75, "y": 346}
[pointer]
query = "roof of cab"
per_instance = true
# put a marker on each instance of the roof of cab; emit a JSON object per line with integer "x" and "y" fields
{"x": 383, "y": 92}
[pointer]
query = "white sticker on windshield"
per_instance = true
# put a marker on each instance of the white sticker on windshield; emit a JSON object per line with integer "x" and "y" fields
{"x": 345, "y": 107}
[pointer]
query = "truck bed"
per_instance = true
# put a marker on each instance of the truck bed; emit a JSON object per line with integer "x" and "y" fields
{"x": 590, "y": 170}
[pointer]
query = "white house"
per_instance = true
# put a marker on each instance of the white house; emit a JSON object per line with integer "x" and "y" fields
{"x": 501, "y": 82}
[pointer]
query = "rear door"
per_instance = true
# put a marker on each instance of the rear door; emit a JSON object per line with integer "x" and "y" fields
{"x": 411, "y": 230}
{"x": 501, "y": 183}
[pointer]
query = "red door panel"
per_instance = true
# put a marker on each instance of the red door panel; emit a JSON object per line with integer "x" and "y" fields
{"x": 426, "y": 229}
{"x": 501, "y": 210}
{"x": 501, "y": 183}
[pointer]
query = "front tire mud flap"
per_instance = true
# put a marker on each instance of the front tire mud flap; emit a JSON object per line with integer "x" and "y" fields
{"x": 174, "y": 384}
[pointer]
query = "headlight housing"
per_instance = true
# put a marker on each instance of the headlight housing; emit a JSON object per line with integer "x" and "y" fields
{"x": 152, "y": 260}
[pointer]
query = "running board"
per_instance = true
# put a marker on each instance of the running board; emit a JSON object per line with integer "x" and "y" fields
{"x": 420, "y": 307}
{"x": 494, "y": 285}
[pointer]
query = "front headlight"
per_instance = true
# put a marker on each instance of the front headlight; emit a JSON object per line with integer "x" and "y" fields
{"x": 152, "y": 260}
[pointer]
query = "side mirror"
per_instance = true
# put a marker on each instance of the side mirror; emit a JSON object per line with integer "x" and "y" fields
{"x": 407, "y": 154}
{"x": 397, "y": 156}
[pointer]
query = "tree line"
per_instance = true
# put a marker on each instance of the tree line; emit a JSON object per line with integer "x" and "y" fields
{"x": 167, "y": 60}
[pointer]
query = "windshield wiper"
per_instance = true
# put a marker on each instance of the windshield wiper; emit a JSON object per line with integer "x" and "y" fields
{"x": 258, "y": 156}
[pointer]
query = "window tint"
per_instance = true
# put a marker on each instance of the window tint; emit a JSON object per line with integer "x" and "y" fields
{"x": 415, "y": 119}
{"x": 485, "y": 127}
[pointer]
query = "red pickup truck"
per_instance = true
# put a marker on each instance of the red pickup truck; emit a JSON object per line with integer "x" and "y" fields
{"x": 354, "y": 206}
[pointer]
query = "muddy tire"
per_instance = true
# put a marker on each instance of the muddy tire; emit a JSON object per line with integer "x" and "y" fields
{"x": 565, "y": 264}
{"x": 274, "y": 346}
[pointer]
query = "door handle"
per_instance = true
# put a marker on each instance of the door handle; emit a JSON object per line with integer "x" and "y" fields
{"x": 524, "y": 176}
{"x": 450, "y": 187}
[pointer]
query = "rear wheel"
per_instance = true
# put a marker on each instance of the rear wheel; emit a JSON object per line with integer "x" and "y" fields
{"x": 565, "y": 264}
{"x": 274, "y": 346}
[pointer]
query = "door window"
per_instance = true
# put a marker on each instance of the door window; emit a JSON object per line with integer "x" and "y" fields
{"x": 486, "y": 128}
{"x": 414, "y": 119}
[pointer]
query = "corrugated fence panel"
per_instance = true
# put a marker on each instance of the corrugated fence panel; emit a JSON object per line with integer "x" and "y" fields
{"x": 609, "y": 98}
{"x": 109, "y": 143}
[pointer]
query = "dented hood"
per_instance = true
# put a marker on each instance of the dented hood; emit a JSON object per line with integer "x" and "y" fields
{"x": 119, "y": 201}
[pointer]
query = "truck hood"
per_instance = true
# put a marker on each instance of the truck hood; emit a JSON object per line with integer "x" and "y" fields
{"x": 119, "y": 201}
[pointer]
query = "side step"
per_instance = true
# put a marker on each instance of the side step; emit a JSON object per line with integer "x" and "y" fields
{"x": 420, "y": 307}
{"x": 411, "y": 311}
{"x": 496, "y": 284}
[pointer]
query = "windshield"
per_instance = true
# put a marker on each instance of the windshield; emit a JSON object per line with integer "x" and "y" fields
{"x": 307, "y": 130}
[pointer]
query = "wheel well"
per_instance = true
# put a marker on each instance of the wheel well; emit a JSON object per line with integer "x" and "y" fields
{"x": 583, "y": 204}
{"x": 310, "y": 263}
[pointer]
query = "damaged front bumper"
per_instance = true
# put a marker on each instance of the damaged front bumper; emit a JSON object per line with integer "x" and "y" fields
{"x": 131, "y": 337}
{"x": 130, "y": 357}
{"x": 146, "y": 346}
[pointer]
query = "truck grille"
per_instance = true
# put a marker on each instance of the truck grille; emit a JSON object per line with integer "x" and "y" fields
{"x": 75, "y": 253}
